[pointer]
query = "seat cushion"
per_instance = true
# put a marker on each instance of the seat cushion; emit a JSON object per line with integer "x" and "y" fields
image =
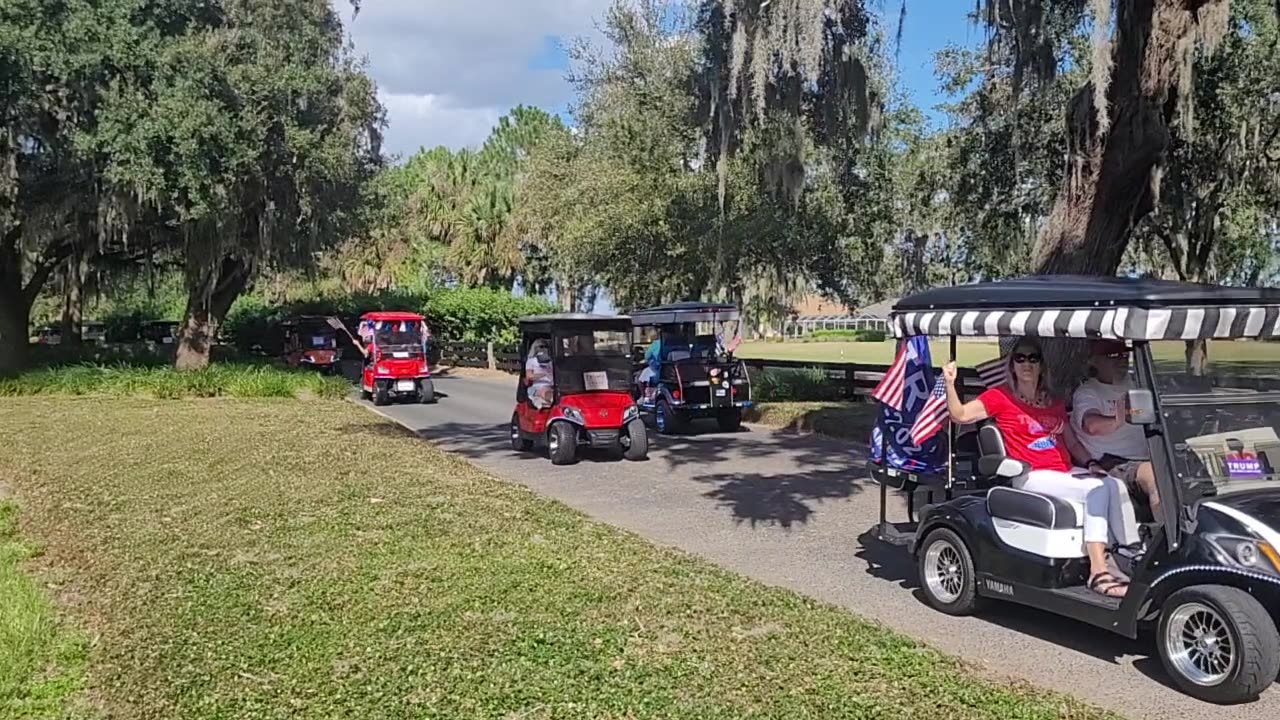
{"x": 1035, "y": 509}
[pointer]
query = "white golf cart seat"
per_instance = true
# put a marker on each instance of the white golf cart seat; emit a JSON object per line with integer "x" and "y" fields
{"x": 1040, "y": 523}
{"x": 677, "y": 355}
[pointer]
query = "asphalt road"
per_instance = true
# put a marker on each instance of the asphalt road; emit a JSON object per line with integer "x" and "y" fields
{"x": 799, "y": 512}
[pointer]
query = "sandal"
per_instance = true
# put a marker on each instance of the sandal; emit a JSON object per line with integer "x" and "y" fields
{"x": 1106, "y": 584}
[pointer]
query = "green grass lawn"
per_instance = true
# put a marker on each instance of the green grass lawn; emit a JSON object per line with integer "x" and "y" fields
{"x": 273, "y": 559}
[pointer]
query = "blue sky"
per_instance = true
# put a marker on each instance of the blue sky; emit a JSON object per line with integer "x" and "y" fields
{"x": 448, "y": 69}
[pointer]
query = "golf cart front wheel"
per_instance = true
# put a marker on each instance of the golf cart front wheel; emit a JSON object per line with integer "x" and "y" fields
{"x": 638, "y": 441}
{"x": 1218, "y": 643}
{"x": 381, "y": 395}
{"x": 947, "y": 575}
{"x": 562, "y": 443}
{"x": 426, "y": 392}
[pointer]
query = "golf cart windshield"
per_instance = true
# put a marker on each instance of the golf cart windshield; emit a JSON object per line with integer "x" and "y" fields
{"x": 587, "y": 360}
{"x": 1222, "y": 412}
{"x": 399, "y": 337}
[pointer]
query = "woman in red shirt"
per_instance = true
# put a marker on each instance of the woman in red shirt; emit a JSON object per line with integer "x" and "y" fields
{"x": 1035, "y": 431}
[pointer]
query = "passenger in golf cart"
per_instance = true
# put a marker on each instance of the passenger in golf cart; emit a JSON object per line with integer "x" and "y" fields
{"x": 1204, "y": 574}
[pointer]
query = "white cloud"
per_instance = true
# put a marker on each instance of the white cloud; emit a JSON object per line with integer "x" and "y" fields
{"x": 447, "y": 69}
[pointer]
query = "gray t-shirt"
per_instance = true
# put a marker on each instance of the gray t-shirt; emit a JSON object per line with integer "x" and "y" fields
{"x": 1127, "y": 441}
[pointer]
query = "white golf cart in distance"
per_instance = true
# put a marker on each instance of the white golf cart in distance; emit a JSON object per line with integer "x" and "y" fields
{"x": 1206, "y": 575}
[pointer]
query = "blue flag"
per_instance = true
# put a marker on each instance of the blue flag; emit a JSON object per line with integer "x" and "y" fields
{"x": 891, "y": 442}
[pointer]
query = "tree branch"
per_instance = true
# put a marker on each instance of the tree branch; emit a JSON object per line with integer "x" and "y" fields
{"x": 53, "y": 255}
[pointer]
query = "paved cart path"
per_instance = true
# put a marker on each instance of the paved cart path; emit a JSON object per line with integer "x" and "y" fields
{"x": 799, "y": 512}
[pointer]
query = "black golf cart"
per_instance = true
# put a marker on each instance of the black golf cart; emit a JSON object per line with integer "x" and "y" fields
{"x": 693, "y": 374}
{"x": 1205, "y": 576}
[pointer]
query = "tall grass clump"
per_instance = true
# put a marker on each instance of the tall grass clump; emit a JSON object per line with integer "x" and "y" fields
{"x": 218, "y": 380}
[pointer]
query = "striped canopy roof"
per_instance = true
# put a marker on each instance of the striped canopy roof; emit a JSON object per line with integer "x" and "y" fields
{"x": 1091, "y": 307}
{"x": 1114, "y": 323}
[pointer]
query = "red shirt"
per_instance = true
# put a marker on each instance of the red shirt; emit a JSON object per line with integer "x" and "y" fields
{"x": 1031, "y": 434}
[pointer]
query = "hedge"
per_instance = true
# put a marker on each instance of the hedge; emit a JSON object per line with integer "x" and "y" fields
{"x": 459, "y": 314}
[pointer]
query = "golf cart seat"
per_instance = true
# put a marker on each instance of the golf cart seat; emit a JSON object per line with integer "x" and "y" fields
{"x": 1039, "y": 522}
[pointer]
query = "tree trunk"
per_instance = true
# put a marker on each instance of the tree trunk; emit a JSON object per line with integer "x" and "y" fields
{"x": 210, "y": 294}
{"x": 73, "y": 300}
{"x": 1112, "y": 173}
{"x": 1110, "y": 180}
{"x": 15, "y": 319}
{"x": 1197, "y": 354}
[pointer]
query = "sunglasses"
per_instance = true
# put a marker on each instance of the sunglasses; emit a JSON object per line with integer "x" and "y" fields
{"x": 1021, "y": 358}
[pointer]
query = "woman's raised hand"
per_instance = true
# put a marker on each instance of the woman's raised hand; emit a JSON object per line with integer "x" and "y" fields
{"x": 949, "y": 373}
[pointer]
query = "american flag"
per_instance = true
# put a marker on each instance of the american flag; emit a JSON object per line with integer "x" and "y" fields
{"x": 932, "y": 416}
{"x": 993, "y": 372}
{"x": 889, "y": 390}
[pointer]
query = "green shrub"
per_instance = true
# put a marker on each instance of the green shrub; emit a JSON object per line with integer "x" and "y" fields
{"x": 787, "y": 385}
{"x": 218, "y": 380}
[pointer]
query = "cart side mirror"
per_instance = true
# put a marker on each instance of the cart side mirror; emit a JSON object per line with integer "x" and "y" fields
{"x": 1140, "y": 407}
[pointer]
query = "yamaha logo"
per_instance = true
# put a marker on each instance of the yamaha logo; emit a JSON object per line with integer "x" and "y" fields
{"x": 604, "y": 413}
{"x": 999, "y": 587}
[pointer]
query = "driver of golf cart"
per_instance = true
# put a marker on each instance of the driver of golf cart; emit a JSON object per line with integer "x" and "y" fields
{"x": 1097, "y": 415}
{"x": 1036, "y": 432}
{"x": 538, "y": 374}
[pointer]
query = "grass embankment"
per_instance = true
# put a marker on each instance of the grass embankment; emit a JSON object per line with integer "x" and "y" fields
{"x": 245, "y": 559}
{"x": 218, "y": 380}
{"x": 41, "y": 663}
{"x": 842, "y": 420}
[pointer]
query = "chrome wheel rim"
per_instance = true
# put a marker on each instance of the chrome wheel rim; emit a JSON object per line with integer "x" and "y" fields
{"x": 515, "y": 432}
{"x": 944, "y": 572}
{"x": 554, "y": 442}
{"x": 1199, "y": 644}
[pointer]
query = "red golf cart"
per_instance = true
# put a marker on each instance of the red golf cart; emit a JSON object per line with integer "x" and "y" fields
{"x": 310, "y": 341}
{"x": 395, "y": 361}
{"x": 575, "y": 388}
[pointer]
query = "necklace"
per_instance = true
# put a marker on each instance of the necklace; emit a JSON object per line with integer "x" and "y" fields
{"x": 1034, "y": 401}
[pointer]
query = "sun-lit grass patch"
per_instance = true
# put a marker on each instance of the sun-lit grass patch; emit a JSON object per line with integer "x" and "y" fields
{"x": 284, "y": 560}
{"x": 218, "y": 380}
{"x": 41, "y": 663}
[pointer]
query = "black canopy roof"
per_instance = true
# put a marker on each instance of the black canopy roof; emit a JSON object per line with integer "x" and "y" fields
{"x": 1083, "y": 291}
{"x": 544, "y": 323}
{"x": 683, "y": 312}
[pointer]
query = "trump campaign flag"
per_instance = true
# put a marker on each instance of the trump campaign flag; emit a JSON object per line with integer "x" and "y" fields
{"x": 902, "y": 437}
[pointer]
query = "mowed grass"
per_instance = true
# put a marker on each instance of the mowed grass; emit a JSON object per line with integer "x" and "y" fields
{"x": 41, "y": 662}
{"x": 245, "y": 559}
{"x": 218, "y": 380}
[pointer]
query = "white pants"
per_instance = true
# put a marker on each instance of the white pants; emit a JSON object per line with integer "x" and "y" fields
{"x": 1099, "y": 512}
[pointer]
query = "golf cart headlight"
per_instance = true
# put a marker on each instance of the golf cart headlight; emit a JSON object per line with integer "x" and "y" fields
{"x": 630, "y": 413}
{"x": 1247, "y": 553}
{"x": 715, "y": 372}
{"x": 382, "y": 370}
{"x": 571, "y": 413}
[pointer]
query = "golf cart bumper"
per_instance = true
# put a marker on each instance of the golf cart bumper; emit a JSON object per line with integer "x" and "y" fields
{"x": 601, "y": 438}
{"x": 710, "y": 407}
{"x": 398, "y": 385}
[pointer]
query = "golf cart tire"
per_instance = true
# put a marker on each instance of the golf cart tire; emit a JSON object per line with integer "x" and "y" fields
{"x": 426, "y": 392}
{"x": 729, "y": 420}
{"x": 966, "y": 600}
{"x": 365, "y": 394}
{"x": 562, "y": 443}
{"x": 672, "y": 423}
{"x": 518, "y": 442}
{"x": 381, "y": 396}
{"x": 1252, "y": 631}
{"x": 639, "y": 447}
